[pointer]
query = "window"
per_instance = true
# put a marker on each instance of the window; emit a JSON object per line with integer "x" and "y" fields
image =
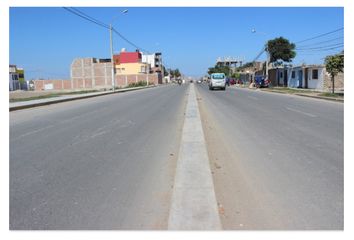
{"x": 315, "y": 74}
{"x": 292, "y": 74}
{"x": 218, "y": 76}
{"x": 281, "y": 74}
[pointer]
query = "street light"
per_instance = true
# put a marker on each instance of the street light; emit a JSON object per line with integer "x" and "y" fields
{"x": 111, "y": 44}
{"x": 265, "y": 47}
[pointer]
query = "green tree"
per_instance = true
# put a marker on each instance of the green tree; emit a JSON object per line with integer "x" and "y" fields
{"x": 280, "y": 49}
{"x": 177, "y": 73}
{"x": 219, "y": 69}
{"x": 334, "y": 65}
{"x": 165, "y": 72}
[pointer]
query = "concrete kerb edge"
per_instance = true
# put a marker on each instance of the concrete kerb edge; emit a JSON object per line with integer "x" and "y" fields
{"x": 74, "y": 98}
{"x": 304, "y": 95}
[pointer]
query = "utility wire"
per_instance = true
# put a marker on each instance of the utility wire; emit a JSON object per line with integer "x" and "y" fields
{"x": 324, "y": 49}
{"x": 321, "y": 35}
{"x": 131, "y": 43}
{"x": 318, "y": 43}
{"x": 259, "y": 54}
{"x": 99, "y": 23}
{"x": 84, "y": 14}
{"x": 321, "y": 47}
{"x": 87, "y": 18}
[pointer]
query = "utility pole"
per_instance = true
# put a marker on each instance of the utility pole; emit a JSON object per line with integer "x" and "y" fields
{"x": 112, "y": 60}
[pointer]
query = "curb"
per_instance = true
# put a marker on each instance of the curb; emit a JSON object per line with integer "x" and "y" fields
{"x": 31, "y": 105}
{"x": 320, "y": 97}
{"x": 304, "y": 95}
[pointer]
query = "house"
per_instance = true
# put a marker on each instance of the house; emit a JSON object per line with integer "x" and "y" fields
{"x": 154, "y": 60}
{"x": 16, "y": 78}
{"x": 305, "y": 76}
{"x": 87, "y": 73}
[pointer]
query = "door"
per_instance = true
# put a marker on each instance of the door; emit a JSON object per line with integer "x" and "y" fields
{"x": 306, "y": 77}
{"x": 285, "y": 77}
{"x": 300, "y": 78}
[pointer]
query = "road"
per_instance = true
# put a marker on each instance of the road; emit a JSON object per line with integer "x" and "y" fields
{"x": 277, "y": 160}
{"x": 100, "y": 163}
{"x": 109, "y": 162}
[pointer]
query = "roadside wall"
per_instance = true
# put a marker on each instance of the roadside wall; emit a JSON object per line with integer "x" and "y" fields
{"x": 338, "y": 82}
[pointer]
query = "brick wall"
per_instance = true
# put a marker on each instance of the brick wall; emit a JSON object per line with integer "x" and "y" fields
{"x": 338, "y": 82}
{"x": 56, "y": 84}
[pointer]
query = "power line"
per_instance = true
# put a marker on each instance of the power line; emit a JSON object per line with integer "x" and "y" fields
{"x": 259, "y": 54}
{"x": 318, "y": 43}
{"x": 87, "y": 18}
{"x": 322, "y": 47}
{"x": 99, "y": 23}
{"x": 84, "y": 14}
{"x": 131, "y": 43}
{"x": 321, "y": 35}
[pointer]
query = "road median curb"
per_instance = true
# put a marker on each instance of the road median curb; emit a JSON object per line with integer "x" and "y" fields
{"x": 54, "y": 101}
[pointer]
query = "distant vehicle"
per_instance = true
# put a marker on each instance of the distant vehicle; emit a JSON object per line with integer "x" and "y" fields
{"x": 232, "y": 81}
{"x": 199, "y": 81}
{"x": 217, "y": 80}
{"x": 261, "y": 81}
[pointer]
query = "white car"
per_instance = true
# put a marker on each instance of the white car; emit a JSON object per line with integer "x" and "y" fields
{"x": 217, "y": 80}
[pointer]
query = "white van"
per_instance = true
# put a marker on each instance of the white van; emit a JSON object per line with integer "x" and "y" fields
{"x": 217, "y": 80}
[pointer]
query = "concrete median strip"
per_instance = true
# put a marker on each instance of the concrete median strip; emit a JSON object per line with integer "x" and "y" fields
{"x": 194, "y": 205}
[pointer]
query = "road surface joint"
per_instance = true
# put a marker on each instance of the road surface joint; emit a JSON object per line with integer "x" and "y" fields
{"x": 194, "y": 205}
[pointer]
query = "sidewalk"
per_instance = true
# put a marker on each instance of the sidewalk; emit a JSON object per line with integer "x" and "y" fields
{"x": 13, "y": 106}
{"x": 305, "y": 93}
{"x": 299, "y": 92}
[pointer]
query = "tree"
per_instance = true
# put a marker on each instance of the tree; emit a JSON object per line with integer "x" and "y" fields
{"x": 334, "y": 65}
{"x": 219, "y": 69}
{"x": 165, "y": 72}
{"x": 280, "y": 49}
{"x": 177, "y": 73}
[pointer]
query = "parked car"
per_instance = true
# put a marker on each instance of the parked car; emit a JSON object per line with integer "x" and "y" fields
{"x": 261, "y": 81}
{"x": 217, "y": 80}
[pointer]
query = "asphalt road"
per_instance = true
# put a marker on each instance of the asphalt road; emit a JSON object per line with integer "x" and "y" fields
{"x": 109, "y": 162}
{"x": 277, "y": 160}
{"x": 100, "y": 163}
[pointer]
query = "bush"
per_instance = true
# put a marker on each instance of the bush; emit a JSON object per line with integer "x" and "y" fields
{"x": 137, "y": 84}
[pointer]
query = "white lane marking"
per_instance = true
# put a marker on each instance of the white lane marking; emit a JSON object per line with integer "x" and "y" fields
{"x": 299, "y": 111}
{"x": 32, "y": 132}
{"x": 194, "y": 205}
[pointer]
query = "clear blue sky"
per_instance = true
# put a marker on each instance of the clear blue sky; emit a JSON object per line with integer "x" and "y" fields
{"x": 45, "y": 40}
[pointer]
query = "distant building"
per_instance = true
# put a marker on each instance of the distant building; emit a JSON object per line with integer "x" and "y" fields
{"x": 16, "y": 78}
{"x": 155, "y": 61}
{"x": 305, "y": 76}
{"x": 97, "y": 73}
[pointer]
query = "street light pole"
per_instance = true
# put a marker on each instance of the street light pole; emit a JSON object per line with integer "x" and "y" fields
{"x": 266, "y": 50}
{"x": 111, "y": 45}
{"x": 112, "y": 60}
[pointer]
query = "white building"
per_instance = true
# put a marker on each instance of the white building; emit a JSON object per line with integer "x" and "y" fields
{"x": 154, "y": 60}
{"x": 14, "y": 82}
